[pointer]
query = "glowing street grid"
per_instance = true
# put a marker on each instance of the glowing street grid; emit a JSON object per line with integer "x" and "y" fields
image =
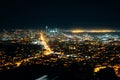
{"x": 99, "y": 47}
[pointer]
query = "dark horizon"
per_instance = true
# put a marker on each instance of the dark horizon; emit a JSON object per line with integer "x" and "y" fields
{"x": 61, "y": 14}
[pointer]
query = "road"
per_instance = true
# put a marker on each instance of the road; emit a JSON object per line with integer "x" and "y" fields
{"x": 46, "y": 52}
{"x": 43, "y": 41}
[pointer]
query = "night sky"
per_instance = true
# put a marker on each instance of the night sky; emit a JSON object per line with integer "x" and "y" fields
{"x": 59, "y": 13}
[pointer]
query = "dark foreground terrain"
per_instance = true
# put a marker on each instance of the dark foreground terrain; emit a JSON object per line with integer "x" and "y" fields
{"x": 75, "y": 71}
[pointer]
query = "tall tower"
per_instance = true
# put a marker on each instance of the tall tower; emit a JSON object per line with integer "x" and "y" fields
{"x": 46, "y": 27}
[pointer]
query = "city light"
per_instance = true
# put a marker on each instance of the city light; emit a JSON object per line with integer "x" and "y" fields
{"x": 48, "y": 50}
{"x": 78, "y": 31}
{"x": 100, "y": 31}
{"x": 93, "y": 31}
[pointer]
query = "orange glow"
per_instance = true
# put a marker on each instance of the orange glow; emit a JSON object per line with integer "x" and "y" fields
{"x": 77, "y": 31}
{"x": 99, "y": 68}
{"x": 101, "y": 31}
{"x": 48, "y": 50}
{"x": 92, "y": 31}
{"x": 18, "y": 64}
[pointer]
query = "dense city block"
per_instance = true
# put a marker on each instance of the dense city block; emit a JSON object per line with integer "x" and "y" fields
{"x": 53, "y": 48}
